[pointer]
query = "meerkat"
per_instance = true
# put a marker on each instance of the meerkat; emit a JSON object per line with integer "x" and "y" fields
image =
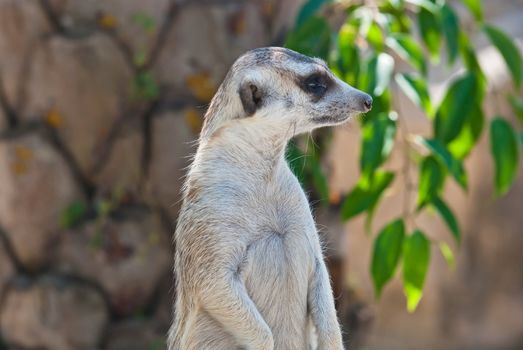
{"x": 249, "y": 267}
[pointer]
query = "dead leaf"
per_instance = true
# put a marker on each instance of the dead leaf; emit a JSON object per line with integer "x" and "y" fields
{"x": 201, "y": 86}
{"x": 23, "y": 153}
{"x": 237, "y": 23}
{"x": 268, "y": 8}
{"x": 54, "y": 119}
{"x": 154, "y": 238}
{"x": 194, "y": 120}
{"x": 107, "y": 21}
{"x": 19, "y": 167}
{"x": 334, "y": 197}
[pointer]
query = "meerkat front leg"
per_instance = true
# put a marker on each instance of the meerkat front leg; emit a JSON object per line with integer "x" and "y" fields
{"x": 322, "y": 310}
{"x": 225, "y": 298}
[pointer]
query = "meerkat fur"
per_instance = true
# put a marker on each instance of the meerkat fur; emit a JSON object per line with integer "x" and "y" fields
{"x": 249, "y": 269}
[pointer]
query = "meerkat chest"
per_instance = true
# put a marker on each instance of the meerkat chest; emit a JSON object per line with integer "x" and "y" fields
{"x": 280, "y": 258}
{"x": 259, "y": 205}
{"x": 284, "y": 207}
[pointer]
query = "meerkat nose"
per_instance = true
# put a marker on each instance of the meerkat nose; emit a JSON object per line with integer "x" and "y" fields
{"x": 367, "y": 103}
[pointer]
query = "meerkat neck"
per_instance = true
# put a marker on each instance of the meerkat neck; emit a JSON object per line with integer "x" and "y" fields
{"x": 252, "y": 143}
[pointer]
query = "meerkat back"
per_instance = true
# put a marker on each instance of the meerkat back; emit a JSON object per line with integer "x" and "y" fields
{"x": 249, "y": 269}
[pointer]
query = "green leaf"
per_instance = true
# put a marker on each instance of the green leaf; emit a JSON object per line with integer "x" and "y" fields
{"x": 475, "y": 8}
{"x": 347, "y": 59}
{"x": 454, "y": 108}
{"x": 408, "y": 50}
{"x": 380, "y": 104}
{"x": 140, "y": 58}
{"x": 469, "y": 57}
{"x": 425, "y": 4}
{"x": 145, "y": 21}
{"x": 375, "y": 36}
{"x": 365, "y": 194}
{"x": 393, "y": 4}
{"x": 454, "y": 166}
{"x": 157, "y": 344}
{"x": 145, "y": 86}
{"x": 311, "y": 38}
{"x": 446, "y": 214}
{"x": 432, "y": 178}
{"x": 416, "y": 258}
{"x": 430, "y": 30}
{"x": 504, "y": 148}
{"x": 104, "y": 207}
{"x": 386, "y": 254}
{"x": 463, "y": 144}
{"x": 72, "y": 214}
{"x": 508, "y": 50}
{"x": 380, "y": 68}
{"x": 377, "y": 142}
{"x": 309, "y": 9}
{"x": 396, "y": 20}
{"x": 415, "y": 88}
{"x": 447, "y": 254}
{"x": 368, "y": 220}
{"x": 450, "y": 23}
{"x": 297, "y": 163}
{"x": 517, "y": 107}
{"x": 307, "y": 168}
{"x": 319, "y": 180}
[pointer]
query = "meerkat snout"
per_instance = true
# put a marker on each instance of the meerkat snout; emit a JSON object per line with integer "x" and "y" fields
{"x": 357, "y": 101}
{"x": 365, "y": 102}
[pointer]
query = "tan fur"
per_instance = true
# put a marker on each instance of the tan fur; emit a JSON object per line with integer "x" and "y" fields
{"x": 248, "y": 266}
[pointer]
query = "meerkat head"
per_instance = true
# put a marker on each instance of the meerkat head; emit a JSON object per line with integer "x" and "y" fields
{"x": 293, "y": 92}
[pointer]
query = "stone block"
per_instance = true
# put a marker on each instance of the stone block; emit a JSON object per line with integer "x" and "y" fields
{"x": 52, "y": 313}
{"x": 79, "y": 87}
{"x": 22, "y": 26}
{"x": 173, "y": 143}
{"x": 128, "y": 256}
{"x": 219, "y": 34}
{"x": 36, "y": 186}
{"x": 136, "y": 22}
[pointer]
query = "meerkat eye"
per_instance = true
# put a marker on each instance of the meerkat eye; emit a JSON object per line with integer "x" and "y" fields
{"x": 315, "y": 84}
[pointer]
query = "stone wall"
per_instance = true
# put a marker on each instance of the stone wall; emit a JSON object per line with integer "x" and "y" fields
{"x": 100, "y": 104}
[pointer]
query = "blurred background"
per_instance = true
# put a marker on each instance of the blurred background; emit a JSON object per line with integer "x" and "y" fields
{"x": 101, "y": 102}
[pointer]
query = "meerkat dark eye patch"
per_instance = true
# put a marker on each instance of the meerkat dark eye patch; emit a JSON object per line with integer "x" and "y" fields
{"x": 251, "y": 97}
{"x": 316, "y": 84}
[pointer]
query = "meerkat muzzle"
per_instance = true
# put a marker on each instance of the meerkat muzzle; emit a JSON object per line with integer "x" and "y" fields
{"x": 363, "y": 102}
{"x": 367, "y": 103}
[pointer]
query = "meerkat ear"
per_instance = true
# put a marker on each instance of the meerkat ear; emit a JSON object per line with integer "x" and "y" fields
{"x": 251, "y": 97}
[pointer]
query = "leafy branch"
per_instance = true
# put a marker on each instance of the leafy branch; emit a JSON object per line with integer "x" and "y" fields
{"x": 377, "y": 49}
